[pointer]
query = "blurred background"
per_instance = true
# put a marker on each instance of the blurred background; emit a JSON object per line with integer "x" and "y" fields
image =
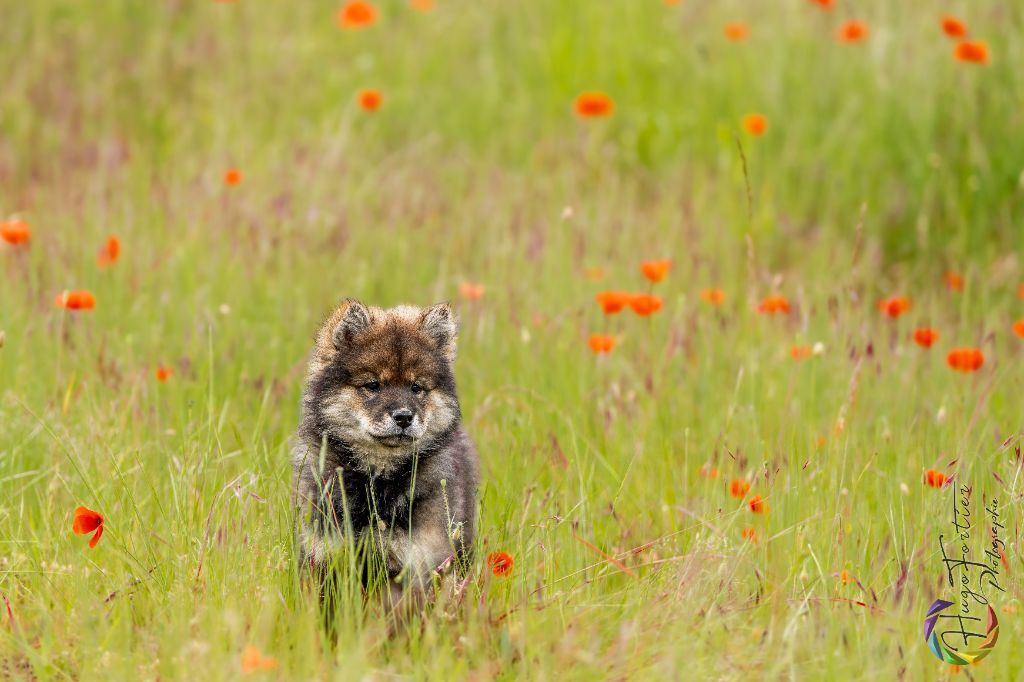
{"x": 206, "y": 179}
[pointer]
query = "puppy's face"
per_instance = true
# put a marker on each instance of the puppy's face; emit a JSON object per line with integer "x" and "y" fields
{"x": 381, "y": 382}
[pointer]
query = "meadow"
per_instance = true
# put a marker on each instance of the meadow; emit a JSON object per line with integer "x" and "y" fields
{"x": 746, "y": 479}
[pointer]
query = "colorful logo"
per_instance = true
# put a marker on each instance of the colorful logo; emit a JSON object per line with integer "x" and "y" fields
{"x": 950, "y": 655}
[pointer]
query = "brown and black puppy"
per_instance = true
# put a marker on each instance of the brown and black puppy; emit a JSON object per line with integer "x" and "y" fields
{"x": 381, "y": 457}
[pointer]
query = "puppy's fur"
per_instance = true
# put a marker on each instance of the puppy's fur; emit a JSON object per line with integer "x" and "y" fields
{"x": 381, "y": 452}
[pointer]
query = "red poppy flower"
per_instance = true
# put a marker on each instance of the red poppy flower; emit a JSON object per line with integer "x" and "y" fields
{"x": 109, "y": 253}
{"x": 965, "y": 359}
{"x": 601, "y": 343}
{"x": 594, "y": 104}
{"x": 357, "y": 15}
{"x": 852, "y": 32}
{"x": 471, "y": 291}
{"x": 163, "y": 373}
{"x": 895, "y": 306}
{"x": 975, "y": 52}
{"x": 252, "y": 660}
{"x": 757, "y": 505}
{"x": 76, "y": 300}
{"x": 935, "y": 479}
{"x": 925, "y": 337}
{"x": 736, "y": 32}
{"x": 645, "y": 304}
{"x": 826, "y": 4}
{"x": 954, "y": 281}
{"x": 773, "y": 304}
{"x": 738, "y": 487}
{"x": 613, "y": 301}
{"x": 370, "y": 100}
{"x": 755, "y": 124}
{"x": 500, "y": 563}
{"x": 87, "y": 521}
{"x": 749, "y": 534}
{"x": 712, "y": 296}
{"x": 953, "y": 27}
{"x": 232, "y": 177}
{"x": 708, "y": 471}
{"x": 15, "y": 232}
{"x": 1018, "y": 328}
{"x": 655, "y": 270}
{"x": 800, "y": 352}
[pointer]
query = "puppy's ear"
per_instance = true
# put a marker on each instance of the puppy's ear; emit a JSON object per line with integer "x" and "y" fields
{"x": 354, "y": 322}
{"x": 441, "y": 324}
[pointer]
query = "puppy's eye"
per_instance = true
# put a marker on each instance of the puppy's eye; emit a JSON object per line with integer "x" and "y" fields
{"x": 373, "y": 386}
{"x": 416, "y": 388}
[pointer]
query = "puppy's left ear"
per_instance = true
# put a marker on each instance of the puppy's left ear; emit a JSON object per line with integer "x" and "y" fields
{"x": 442, "y": 325}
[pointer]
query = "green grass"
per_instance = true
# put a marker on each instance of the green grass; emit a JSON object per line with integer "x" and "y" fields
{"x": 885, "y": 165}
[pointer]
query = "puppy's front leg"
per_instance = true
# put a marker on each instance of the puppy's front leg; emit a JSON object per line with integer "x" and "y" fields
{"x": 414, "y": 556}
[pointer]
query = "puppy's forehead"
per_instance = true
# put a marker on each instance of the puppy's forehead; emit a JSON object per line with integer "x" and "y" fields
{"x": 393, "y": 351}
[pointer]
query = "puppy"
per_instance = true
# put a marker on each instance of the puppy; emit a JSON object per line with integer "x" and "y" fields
{"x": 381, "y": 459}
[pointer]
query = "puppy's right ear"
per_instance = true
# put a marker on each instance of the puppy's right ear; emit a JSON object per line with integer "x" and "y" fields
{"x": 355, "y": 320}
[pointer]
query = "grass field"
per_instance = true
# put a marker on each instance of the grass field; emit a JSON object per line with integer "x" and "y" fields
{"x": 887, "y": 165}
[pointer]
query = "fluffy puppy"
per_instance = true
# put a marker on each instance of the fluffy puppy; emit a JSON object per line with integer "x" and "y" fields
{"x": 381, "y": 459}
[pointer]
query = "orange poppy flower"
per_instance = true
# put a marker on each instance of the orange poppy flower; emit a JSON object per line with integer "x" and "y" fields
{"x": 15, "y": 232}
{"x": 76, "y": 300}
{"x": 826, "y": 4}
{"x": 601, "y": 343}
{"x": 749, "y": 534}
{"x": 594, "y": 104}
{"x": 422, "y": 5}
{"x": 357, "y": 15}
{"x": 163, "y": 373}
{"x": 755, "y": 124}
{"x": 712, "y": 296}
{"x": 925, "y": 337}
{"x": 736, "y": 32}
{"x": 954, "y": 281}
{"x": 852, "y": 32}
{"x": 645, "y": 304}
{"x": 738, "y": 487}
{"x": 471, "y": 291}
{"x": 1018, "y": 328}
{"x": 800, "y": 352}
{"x": 757, "y": 505}
{"x": 965, "y": 359}
{"x": 232, "y": 176}
{"x": 975, "y": 52}
{"x": 613, "y": 301}
{"x": 934, "y": 479}
{"x": 894, "y": 306}
{"x": 86, "y": 521}
{"x": 500, "y": 563}
{"x": 370, "y": 100}
{"x": 109, "y": 253}
{"x": 953, "y": 27}
{"x": 708, "y": 471}
{"x": 655, "y": 270}
{"x": 773, "y": 304}
{"x": 253, "y": 660}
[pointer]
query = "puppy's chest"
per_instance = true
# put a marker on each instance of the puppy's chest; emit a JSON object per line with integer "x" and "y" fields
{"x": 373, "y": 500}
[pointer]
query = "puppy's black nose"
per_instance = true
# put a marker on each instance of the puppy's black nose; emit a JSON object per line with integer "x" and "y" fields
{"x": 402, "y": 417}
